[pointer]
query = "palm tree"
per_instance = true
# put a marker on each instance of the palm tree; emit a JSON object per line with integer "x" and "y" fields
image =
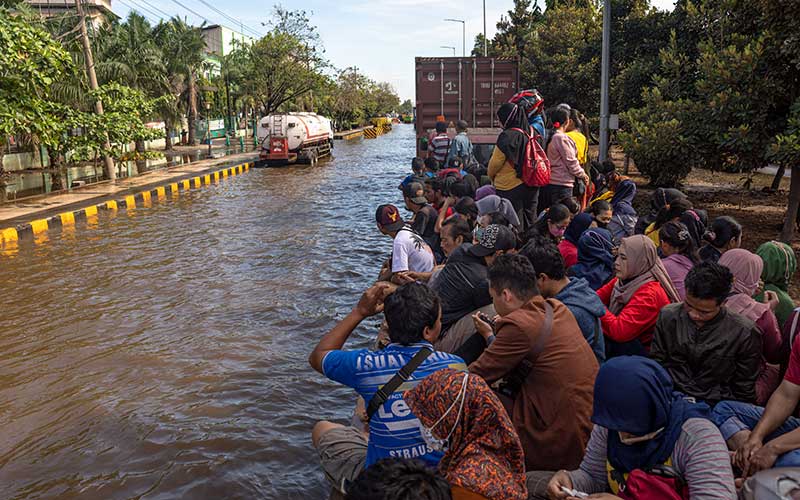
{"x": 185, "y": 54}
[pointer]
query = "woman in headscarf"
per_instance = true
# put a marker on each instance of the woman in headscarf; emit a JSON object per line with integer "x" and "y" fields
{"x": 484, "y": 191}
{"x": 680, "y": 254}
{"x": 635, "y": 297}
{"x": 461, "y": 416}
{"x": 780, "y": 264}
{"x": 595, "y": 260}
{"x": 746, "y": 268}
{"x": 494, "y": 204}
{"x": 505, "y": 166}
{"x": 641, "y": 424}
{"x": 662, "y": 199}
{"x": 569, "y": 245}
{"x": 624, "y": 216}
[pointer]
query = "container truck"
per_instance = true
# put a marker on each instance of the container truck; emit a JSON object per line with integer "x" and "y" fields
{"x": 294, "y": 138}
{"x": 463, "y": 88}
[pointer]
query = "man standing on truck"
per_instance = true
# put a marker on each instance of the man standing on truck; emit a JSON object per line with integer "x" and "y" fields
{"x": 461, "y": 146}
{"x": 439, "y": 146}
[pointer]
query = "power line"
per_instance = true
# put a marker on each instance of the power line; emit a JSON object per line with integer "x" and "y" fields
{"x": 166, "y": 15}
{"x": 190, "y": 10}
{"x": 151, "y": 16}
{"x": 231, "y": 19}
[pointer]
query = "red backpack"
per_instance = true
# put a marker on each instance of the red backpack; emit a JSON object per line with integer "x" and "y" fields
{"x": 536, "y": 166}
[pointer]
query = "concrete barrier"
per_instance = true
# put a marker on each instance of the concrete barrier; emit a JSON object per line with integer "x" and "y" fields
{"x": 10, "y": 236}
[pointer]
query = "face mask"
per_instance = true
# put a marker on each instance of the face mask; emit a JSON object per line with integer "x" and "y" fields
{"x": 432, "y": 441}
{"x": 557, "y": 232}
{"x": 639, "y": 439}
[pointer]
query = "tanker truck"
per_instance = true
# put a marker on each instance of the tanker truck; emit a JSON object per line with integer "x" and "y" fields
{"x": 294, "y": 138}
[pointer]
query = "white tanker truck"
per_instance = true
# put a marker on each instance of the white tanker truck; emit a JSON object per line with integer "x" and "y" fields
{"x": 294, "y": 138}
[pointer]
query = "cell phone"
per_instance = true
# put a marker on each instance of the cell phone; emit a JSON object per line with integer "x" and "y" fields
{"x": 574, "y": 493}
{"x": 486, "y": 319}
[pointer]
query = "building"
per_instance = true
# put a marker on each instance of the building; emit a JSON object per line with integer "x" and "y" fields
{"x": 219, "y": 43}
{"x": 98, "y": 12}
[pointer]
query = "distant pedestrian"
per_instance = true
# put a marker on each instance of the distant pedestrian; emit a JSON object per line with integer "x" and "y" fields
{"x": 439, "y": 146}
{"x": 461, "y": 146}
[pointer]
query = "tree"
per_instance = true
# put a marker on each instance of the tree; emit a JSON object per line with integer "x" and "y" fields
{"x": 283, "y": 65}
{"x": 181, "y": 62}
{"x": 30, "y": 62}
{"x": 785, "y": 152}
{"x": 406, "y": 107}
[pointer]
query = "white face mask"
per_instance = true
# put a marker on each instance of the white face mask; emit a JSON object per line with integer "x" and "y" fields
{"x": 432, "y": 441}
{"x": 639, "y": 439}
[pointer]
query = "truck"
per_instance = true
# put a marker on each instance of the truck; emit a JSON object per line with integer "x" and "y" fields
{"x": 294, "y": 138}
{"x": 463, "y": 88}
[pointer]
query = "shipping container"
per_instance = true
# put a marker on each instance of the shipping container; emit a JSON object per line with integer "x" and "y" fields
{"x": 463, "y": 88}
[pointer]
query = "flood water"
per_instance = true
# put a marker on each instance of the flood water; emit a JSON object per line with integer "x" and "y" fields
{"x": 162, "y": 352}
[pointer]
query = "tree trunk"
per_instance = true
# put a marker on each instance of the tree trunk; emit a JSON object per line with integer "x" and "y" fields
{"x": 167, "y": 136}
{"x": 3, "y": 174}
{"x": 192, "y": 108}
{"x": 776, "y": 181}
{"x": 787, "y": 235}
{"x": 58, "y": 173}
{"x": 141, "y": 163}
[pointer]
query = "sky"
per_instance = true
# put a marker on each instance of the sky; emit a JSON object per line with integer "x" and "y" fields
{"x": 380, "y": 37}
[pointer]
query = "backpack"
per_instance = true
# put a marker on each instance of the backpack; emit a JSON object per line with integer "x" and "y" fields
{"x": 660, "y": 482}
{"x": 536, "y": 166}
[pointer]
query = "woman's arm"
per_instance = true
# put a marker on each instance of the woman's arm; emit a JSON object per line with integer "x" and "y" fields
{"x": 638, "y": 316}
{"x": 496, "y": 163}
{"x": 437, "y": 228}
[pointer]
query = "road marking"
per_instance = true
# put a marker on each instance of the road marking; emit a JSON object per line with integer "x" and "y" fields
{"x": 39, "y": 226}
{"x": 206, "y": 179}
{"x": 161, "y": 192}
{"x": 112, "y": 205}
{"x": 8, "y": 235}
{"x": 196, "y": 182}
{"x": 67, "y": 218}
{"x": 90, "y": 211}
{"x": 146, "y": 198}
{"x": 130, "y": 201}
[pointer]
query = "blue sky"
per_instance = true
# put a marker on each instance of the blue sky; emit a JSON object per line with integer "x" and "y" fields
{"x": 381, "y": 37}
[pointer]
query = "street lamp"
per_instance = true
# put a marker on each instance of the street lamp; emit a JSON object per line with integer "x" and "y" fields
{"x": 485, "y": 41}
{"x": 448, "y": 47}
{"x": 463, "y": 35}
{"x": 208, "y": 126}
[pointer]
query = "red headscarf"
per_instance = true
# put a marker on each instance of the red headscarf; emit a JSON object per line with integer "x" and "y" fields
{"x": 485, "y": 455}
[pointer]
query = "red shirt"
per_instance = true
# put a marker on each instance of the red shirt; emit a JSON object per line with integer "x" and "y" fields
{"x": 793, "y": 372}
{"x": 569, "y": 252}
{"x": 637, "y": 320}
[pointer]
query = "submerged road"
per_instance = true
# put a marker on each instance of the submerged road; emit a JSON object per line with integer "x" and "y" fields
{"x": 162, "y": 352}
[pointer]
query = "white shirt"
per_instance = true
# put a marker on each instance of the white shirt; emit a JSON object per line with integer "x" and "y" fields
{"x": 411, "y": 253}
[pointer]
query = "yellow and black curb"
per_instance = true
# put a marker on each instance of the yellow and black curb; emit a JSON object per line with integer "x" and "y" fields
{"x": 11, "y": 235}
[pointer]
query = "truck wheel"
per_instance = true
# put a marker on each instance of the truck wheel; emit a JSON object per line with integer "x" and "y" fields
{"x": 312, "y": 158}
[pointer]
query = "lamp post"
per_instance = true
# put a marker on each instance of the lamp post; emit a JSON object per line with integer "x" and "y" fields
{"x": 208, "y": 126}
{"x": 448, "y": 47}
{"x": 604, "y": 79}
{"x": 463, "y": 35}
{"x": 485, "y": 41}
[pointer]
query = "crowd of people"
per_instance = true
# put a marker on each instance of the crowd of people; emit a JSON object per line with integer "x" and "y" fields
{"x": 552, "y": 342}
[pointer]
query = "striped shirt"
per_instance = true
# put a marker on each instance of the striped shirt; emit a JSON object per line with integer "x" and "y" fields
{"x": 439, "y": 147}
{"x": 700, "y": 457}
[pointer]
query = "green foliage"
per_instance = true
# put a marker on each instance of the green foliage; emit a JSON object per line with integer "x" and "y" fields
{"x": 406, "y": 107}
{"x": 785, "y": 147}
{"x": 354, "y": 98}
{"x": 656, "y": 139}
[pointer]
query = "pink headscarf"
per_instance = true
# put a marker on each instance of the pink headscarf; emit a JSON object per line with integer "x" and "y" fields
{"x": 746, "y": 268}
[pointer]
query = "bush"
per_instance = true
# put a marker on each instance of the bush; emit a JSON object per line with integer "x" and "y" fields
{"x": 655, "y": 138}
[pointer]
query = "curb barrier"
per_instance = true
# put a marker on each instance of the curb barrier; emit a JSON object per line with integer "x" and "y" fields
{"x": 11, "y": 235}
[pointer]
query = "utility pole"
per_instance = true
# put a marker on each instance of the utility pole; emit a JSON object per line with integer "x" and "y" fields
{"x": 485, "y": 41}
{"x": 111, "y": 172}
{"x": 604, "y": 79}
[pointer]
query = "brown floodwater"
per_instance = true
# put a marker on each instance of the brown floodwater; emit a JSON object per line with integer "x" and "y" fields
{"x": 162, "y": 352}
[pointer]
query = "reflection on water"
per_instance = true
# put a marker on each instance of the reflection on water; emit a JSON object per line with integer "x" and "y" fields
{"x": 162, "y": 354}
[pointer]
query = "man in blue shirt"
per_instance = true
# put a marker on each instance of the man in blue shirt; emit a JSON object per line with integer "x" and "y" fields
{"x": 461, "y": 146}
{"x": 414, "y": 317}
